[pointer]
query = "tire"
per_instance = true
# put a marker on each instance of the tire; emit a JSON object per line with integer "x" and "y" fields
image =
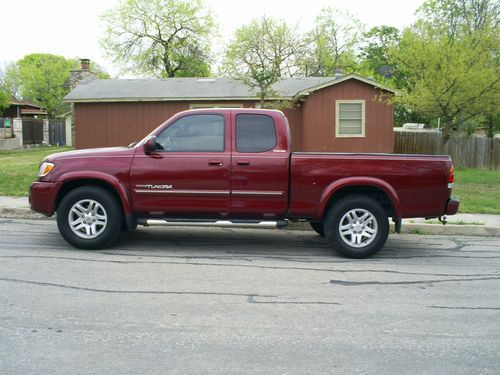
{"x": 89, "y": 217}
{"x": 318, "y": 227}
{"x": 357, "y": 227}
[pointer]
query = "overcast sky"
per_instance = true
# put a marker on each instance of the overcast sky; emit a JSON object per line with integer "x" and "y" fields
{"x": 72, "y": 28}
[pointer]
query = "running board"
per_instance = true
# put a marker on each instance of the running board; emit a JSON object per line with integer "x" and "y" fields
{"x": 213, "y": 223}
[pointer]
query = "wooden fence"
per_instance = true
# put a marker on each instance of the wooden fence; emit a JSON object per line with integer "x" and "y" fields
{"x": 465, "y": 151}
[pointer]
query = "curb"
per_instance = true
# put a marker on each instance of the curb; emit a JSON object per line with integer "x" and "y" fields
{"x": 432, "y": 229}
{"x": 21, "y": 213}
{"x": 407, "y": 228}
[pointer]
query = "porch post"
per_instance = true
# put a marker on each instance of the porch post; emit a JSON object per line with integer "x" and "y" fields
{"x": 45, "y": 140}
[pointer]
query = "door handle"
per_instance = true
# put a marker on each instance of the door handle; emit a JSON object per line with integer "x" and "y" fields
{"x": 242, "y": 162}
{"x": 216, "y": 163}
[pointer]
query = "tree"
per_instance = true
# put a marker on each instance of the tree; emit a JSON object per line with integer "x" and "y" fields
{"x": 375, "y": 52}
{"x": 43, "y": 78}
{"x": 261, "y": 53}
{"x": 160, "y": 38}
{"x": 9, "y": 80}
{"x": 450, "y": 61}
{"x": 333, "y": 43}
{"x": 4, "y": 100}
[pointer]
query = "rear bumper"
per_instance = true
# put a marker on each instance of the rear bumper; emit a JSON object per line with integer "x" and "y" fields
{"x": 452, "y": 206}
{"x": 42, "y": 197}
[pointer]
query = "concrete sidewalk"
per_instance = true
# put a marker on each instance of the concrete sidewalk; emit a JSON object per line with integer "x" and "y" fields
{"x": 460, "y": 224}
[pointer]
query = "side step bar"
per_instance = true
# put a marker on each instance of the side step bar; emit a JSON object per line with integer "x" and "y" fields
{"x": 213, "y": 223}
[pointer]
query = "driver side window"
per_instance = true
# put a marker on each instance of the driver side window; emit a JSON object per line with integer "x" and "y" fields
{"x": 193, "y": 133}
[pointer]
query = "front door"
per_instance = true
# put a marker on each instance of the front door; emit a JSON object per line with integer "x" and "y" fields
{"x": 189, "y": 173}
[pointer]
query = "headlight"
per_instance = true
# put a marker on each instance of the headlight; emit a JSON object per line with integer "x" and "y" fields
{"x": 45, "y": 168}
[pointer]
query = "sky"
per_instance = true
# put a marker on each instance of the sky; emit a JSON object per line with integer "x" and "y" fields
{"x": 73, "y": 28}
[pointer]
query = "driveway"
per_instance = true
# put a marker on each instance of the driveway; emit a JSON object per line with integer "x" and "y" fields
{"x": 234, "y": 301}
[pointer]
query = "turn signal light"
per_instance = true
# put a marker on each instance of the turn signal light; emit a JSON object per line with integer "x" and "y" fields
{"x": 45, "y": 168}
{"x": 451, "y": 177}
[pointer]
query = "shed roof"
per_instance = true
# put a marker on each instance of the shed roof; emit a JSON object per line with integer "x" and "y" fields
{"x": 170, "y": 89}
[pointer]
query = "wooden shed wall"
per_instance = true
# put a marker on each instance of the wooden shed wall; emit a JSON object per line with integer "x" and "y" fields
{"x": 118, "y": 124}
{"x": 312, "y": 122}
{"x": 318, "y": 119}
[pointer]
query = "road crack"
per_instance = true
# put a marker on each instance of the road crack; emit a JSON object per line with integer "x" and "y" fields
{"x": 40, "y": 283}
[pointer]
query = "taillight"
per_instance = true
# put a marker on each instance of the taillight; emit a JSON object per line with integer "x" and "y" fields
{"x": 451, "y": 177}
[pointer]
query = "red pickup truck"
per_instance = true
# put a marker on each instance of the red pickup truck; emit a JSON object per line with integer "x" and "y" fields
{"x": 227, "y": 167}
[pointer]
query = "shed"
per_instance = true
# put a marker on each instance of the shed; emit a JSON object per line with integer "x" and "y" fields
{"x": 339, "y": 114}
{"x": 24, "y": 108}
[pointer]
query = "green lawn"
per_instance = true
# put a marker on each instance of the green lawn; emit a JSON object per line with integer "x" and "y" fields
{"x": 19, "y": 168}
{"x": 478, "y": 190}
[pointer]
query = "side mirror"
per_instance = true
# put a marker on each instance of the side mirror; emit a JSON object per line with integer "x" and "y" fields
{"x": 150, "y": 144}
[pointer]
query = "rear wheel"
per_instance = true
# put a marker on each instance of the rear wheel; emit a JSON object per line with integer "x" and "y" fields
{"x": 318, "y": 227}
{"x": 357, "y": 226}
{"x": 89, "y": 217}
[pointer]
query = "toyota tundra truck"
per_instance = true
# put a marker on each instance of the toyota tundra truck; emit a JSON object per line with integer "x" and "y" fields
{"x": 235, "y": 167}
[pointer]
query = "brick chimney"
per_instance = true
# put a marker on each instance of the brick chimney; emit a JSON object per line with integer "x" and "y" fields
{"x": 81, "y": 75}
{"x": 85, "y": 64}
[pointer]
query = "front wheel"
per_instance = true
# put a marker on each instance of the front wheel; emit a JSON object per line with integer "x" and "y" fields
{"x": 89, "y": 217}
{"x": 357, "y": 226}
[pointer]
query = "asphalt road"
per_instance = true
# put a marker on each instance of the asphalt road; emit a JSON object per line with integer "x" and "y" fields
{"x": 227, "y": 301}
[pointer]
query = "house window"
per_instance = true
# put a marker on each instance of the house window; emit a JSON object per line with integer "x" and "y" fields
{"x": 350, "y": 118}
{"x": 215, "y": 105}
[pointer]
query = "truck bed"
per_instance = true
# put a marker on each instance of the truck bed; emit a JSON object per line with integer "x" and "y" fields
{"x": 419, "y": 182}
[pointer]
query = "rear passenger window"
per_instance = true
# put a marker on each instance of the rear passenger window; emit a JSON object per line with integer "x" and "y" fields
{"x": 255, "y": 133}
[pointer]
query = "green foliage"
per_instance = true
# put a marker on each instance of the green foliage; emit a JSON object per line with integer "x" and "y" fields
{"x": 4, "y": 100}
{"x": 450, "y": 61}
{"x": 9, "y": 80}
{"x": 375, "y": 52}
{"x": 261, "y": 53}
{"x": 43, "y": 78}
{"x": 333, "y": 43}
{"x": 160, "y": 38}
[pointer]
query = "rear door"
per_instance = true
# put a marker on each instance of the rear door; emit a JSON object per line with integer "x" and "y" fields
{"x": 190, "y": 173}
{"x": 259, "y": 165}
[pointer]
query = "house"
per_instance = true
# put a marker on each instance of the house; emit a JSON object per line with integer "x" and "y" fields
{"x": 24, "y": 108}
{"x": 341, "y": 114}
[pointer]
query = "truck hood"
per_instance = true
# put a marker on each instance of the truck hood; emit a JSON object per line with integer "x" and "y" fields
{"x": 91, "y": 152}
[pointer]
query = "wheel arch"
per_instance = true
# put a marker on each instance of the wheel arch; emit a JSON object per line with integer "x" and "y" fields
{"x": 110, "y": 183}
{"x": 375, "y": 188}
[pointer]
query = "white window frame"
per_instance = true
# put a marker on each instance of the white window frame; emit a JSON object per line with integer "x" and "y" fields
{"x": 215, "y": 105}
{"x": 337, "y": 118}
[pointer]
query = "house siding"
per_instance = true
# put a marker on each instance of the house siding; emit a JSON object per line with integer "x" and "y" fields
{"x": 319, "y": 114}
{"x": 312, "y": 121}
{"x": 118, "y": 124}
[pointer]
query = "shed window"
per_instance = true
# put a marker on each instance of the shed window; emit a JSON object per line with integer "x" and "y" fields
{"x": 350, "y": 119}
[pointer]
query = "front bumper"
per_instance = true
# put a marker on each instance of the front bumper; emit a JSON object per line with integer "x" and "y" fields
{"x": 452, "y": 206}
{"x": 43, "y": 196}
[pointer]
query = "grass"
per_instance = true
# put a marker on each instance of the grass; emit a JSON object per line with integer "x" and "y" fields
{"x": 478, "y": 190}
{"x": 19, "y": 168}
{"x": 457, "y": 222}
